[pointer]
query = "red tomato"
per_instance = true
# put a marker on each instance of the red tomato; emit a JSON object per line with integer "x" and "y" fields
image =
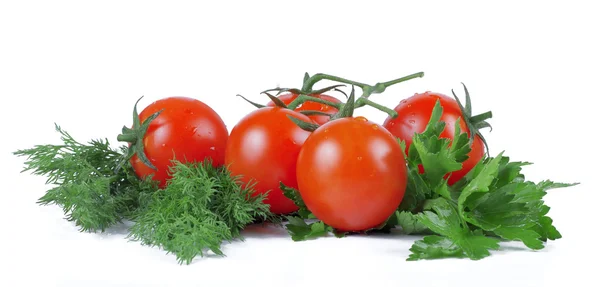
{"x": 187, "y": 130}
{"x": 311, "y": 106}
{"x": 352, "y": 174}
{"x": 414, "y": 114}
{"x": 263, "y": 147}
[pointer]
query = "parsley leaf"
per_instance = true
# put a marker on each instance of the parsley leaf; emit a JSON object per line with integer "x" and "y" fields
{"x": 492, "y": 202}
{"x": 509, "y": 206}
{"x": 300, "y": 230}
{"x": 297, "y": 226}
{"x": 409, "y": 222}
{"x": 446, "y": 221}
{"x": 294, "y": 195}
{"x": 434, "y": 247}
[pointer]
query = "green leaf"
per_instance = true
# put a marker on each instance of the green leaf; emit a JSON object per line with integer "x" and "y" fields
{"x": 507, "y": 205}
{"x": 545, "y": 228}
{"x": 435, "y": 247}
{"x": 417, "y": 190}
{"x": 435, "y": 164}
{"x": 482, "y": 179}
{"x": 294, "y": 195}
{"x": 509, "y": 171}
{"x": 445, "y": 221}
{"x": 438, "y": 156}
{"x": 547, "y": 185}
{"x": 300, "y": 230}
{"x": 409, "y": 223}
{"x": 529, "y": 237}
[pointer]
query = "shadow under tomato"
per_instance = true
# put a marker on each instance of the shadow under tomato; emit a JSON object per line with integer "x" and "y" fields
{"x": 265, "y": 230}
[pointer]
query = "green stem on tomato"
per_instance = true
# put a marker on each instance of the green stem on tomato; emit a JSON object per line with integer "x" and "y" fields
{"x": 304, "y": 98}
{"x": 367, "y": 89}
{"x": 366, "y": 102}
{"x": 481, "y": 117}
{"x": 130, "y": 138}
{"x": 308, "y": 84}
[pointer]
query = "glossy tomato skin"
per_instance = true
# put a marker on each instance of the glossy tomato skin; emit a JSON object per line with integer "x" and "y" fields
{"x": 311, "y": 106}
{"x": 187, "y": 130}
{"x": 263, "y": 147}
{"x": 352, "y": 174}
{"x": 414, "y": 114}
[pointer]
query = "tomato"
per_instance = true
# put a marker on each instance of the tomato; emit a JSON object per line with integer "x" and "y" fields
{"x": 186, "y": 130}
{"x": 311, "y": 106}
{"x": 263, "y": 148}
{"x": 352, "y": 174}
{"x": 414, "y": 114}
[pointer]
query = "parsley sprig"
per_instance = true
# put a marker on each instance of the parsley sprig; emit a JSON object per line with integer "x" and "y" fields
{"x": 493, "y": 202}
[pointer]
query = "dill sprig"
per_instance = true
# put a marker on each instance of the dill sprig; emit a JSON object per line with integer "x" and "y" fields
{"x": 86, "y": 185}
{"x": 201, "y": 207}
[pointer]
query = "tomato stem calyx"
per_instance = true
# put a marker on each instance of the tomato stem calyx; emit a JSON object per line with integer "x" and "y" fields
{"x": 309, "y": 127}
{"x": 474, "y": 123}
{"x": 347, "y": 109}
{"x": 276, "y": 100}
{"x": 257, "y": 105}
{"x": 134, "y": 136}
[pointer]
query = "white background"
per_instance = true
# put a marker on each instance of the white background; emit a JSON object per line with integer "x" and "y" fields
{"x": 83, "y": 64}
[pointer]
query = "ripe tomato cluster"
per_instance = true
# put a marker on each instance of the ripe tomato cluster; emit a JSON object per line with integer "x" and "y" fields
{"x": 350, "y": 172}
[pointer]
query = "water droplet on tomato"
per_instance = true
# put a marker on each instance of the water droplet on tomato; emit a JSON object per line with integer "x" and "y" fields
{"x": 359, "y": 158}
{"x": 326, "y": 131}
{"x": 375, "y": 127}
{"x": 212, "y": 148}
{"x": 408, "y": 106}
{"x": 403, "y": 101}
{"x": 360, "y": 119}
{"x": 412, "y": 122}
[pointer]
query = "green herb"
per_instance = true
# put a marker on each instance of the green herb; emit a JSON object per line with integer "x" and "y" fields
{"x": 201, "y": 207}
{"x": 297, "y": 227}
{"x": 409, "y": 223}
{"x": 90, "y": 193}
{"x": 295, "y": 196}
{"x": 492, "y": 202}
{"x": 300, "y": 230}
